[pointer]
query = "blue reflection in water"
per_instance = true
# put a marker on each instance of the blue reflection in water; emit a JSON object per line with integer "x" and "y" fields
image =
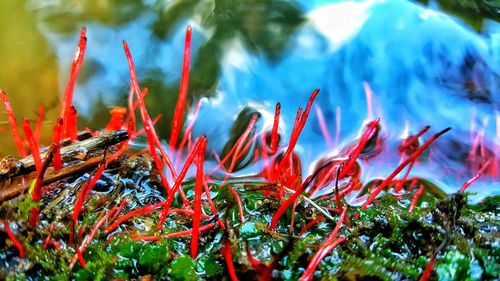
{"x": 424, "y": 68}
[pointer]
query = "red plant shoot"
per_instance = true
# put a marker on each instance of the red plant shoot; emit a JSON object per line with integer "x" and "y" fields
{"x": 15, "y": 241}
{"x": 178, "y": 181}
{"x": 116, "y": 120}
{"x": 178, "y": 234}
{"x": 35, "y": 153}
{"x": 469, "y": 182}
{"x": 310, "y": 224}
{"x": 197, "y": 196}
{"x": 142, "y": 211}
{"x": 411, "y": 158}
{"x": 153, "y": 139}
{"x": 415, "y": 198}
{"x": 56, "y": 142}
{"x": 13, "y": 124}
{"x": 72, "y": 130}
{"x": 68, "y": 93}
{"x": 228, "y": 257}
{"x": 84, "y": 192}
{"x": 181, "y": 99}
{"x": 323, "y": 251}
{"x": 274, "y": 132}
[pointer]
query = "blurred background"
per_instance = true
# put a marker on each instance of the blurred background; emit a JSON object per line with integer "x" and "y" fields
{"x": 427, "y": 63}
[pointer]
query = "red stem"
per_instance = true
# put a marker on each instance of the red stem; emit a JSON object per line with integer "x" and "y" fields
{"x": 228, "y": 257}
{"x": 414, "y": 200}
{"x": 178, "y": 181}
{"x": 142, "y": 211}
{"x": 274, "y": 132}
{"x": 197, "y": 196}
{"x": 17, "y": 244}
{"x": 172, "y": 235}
{"x": 469, "y": 182}
{"x": 310, "y": 224}
{"x": 13, "y": 124}
{"x": 410, "y": 159}
{"x": 84, "y": 192}
{"x": 56, "y": 142}
{"x": 323, "y": 251}
{"x": 181, "y": 100}
{"x": 240, "y": 204}
{"x": 68, "y": 93}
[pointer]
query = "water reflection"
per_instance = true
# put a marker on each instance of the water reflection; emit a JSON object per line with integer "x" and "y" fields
{"x": 423, "y": 67}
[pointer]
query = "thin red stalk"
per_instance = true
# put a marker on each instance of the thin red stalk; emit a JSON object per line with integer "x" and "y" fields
{"x": 237, "y": 151}
{"x": 411, "y": 158}
{"x": 142, "y": 211}
{"x": 282, "y": 209}
{"x": 300, "y": 122}
{"x": 212, "y": 206}
{"x": 414, "y": 200}
{"x": 35, "y": 153}
{"x": 172, "y": 235}
{"x": 337, "y": 194}
{"x": 80, "y": 256}
{"x": 188, "y": 212}
{"x": 119, "y": 210}
{"x": 37, "y": 190}
{"x": 241, "y": 151}
{"x": 88, "y": 239}
{"x": 84, "y": 192}
{"x": 240, "y": 204}
{"x": 56, "y": 142}
{"x": 141, "y": 131}
{"x": 323, "y": 251}
{"x": 428, "y": 269}
{"x": 292, "y": 219}
{"x": 150, "y": 131}
{"x": 181, "y": 100}
{"x": 310, "y": 224}
{"x": 187, "y": 134}
{"x": 15, "y": 241}
{"x": 68, "y": 93}
{"x": 71, "y": 129}
{"x": 362, "y": 143}
{"x": 257, "y": 264}
{"x": 274, "y": 132}
{"x": 337, "y": 226}
{"x": 399, "y": 186}
{"x": 228, "y": 257}
{"x": 39, "y": 123}
{"x": 197, "y": 195}
{"x": 413, "y": 139}
{"x": 469, "y": 182}
{"x": 178, "y": 181}
{"x": 13, "y": 124}
{"x": 131, "y": 108}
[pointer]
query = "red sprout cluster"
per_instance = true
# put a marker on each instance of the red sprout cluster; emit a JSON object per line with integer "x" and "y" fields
{"x": 281, "y": 169}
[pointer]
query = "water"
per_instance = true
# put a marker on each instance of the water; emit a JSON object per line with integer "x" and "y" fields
{"x": 424, "y": 67}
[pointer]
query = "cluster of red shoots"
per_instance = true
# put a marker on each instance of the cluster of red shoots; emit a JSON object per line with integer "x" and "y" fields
{"x": 280, "y": 169}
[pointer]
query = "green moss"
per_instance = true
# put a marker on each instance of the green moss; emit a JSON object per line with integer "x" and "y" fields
{"x": 183, "y": 268}
{"x": 154, "y": 256}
